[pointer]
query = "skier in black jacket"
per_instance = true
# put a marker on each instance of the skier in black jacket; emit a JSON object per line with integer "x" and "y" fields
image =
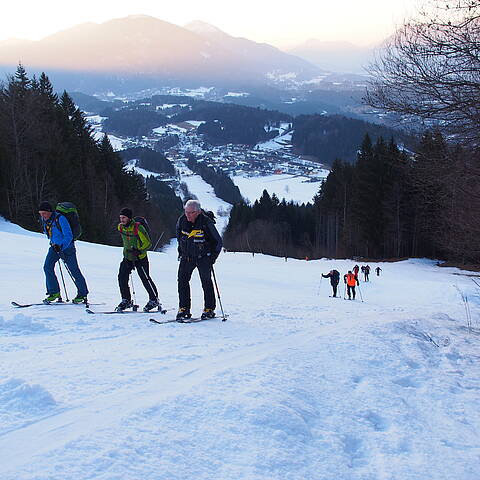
{"x": 199, "y": 245}
{"x": 334, "y": 276}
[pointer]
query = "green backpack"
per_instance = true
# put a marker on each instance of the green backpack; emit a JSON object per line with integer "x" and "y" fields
{"x": 70, "y": 212}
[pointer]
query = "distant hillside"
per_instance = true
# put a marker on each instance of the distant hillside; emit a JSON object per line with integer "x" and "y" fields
{"x": 90, "y": 104}
{"x": 148, "y": 159}
{"x": 335, "y": 56}
{"x": 229, "y": 123}
{"x": 331, "y": 137}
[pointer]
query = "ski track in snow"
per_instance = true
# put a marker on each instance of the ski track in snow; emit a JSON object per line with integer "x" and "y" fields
{"x": 295, "y": 385}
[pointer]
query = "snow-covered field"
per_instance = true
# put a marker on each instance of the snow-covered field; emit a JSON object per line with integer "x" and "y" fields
{"x": 284, "y": 186}
{"x": 295, "y": 385}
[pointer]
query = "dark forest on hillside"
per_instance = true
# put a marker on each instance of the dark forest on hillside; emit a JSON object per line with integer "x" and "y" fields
{"x": 148, "y": 159}
{"x": 329, "y": 137}
{"x": 385, "y": 205}
{"x": 47, "y": 152}
{"x": 222, "y": 184}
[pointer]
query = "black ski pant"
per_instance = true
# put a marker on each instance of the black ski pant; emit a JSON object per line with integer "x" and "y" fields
{"x": 334, "y": 288}
{"x": 185, "y": 270}
{"x": 351, "y": 290}
{"x": 142, "y": 267}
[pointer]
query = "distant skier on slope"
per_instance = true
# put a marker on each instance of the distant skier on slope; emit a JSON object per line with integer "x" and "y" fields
{"x": 378, "y": 270}
{"x": 199, "y": 245}
{"x": 350, "y": 280}
{"x": 334, "y": 276}
{"x": 62, "y": 246}
{"x": 366, "y": 272}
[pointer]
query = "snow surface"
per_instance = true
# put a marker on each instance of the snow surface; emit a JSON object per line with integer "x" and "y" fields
{"x": 117, "y": 142}
{"x": 281, "y": 141}
{"x": 295, "y": 385}
{"x": 170, "y": 128}
{"x": 290, "y": 187}
{"x": 206, "y": 196}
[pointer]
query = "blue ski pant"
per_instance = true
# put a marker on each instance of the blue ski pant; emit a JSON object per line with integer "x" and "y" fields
{"x": 69, "y": 255}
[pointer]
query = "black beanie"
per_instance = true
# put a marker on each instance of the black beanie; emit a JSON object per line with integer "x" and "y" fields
{"x": 45, "y": 207}
{"x": 127, "y": 212}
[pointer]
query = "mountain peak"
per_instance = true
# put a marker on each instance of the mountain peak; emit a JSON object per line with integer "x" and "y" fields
{"x": 204, "y": 28}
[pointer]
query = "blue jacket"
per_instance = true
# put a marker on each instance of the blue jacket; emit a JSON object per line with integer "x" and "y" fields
{"x": 58, "y": 230}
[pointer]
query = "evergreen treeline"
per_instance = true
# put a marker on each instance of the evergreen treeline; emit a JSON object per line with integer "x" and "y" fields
{"x": 148, "y": 159}
{"x": 386, "y": 205}
{"x": 169, "y": 205}
{"x": 272, "y": 227}
{"x": 229, "y": 123}
{"x": 222, "y": 184}
{"x": 328, "y": 137}
{"x": 47, "y": 152}
{"x": 132, "y": 122}
{"x": 166, "y": 142}
{"x": 88, "y": 103}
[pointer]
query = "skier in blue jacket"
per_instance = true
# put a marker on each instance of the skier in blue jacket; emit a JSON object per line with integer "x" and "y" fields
{"x": 62, "y": 246}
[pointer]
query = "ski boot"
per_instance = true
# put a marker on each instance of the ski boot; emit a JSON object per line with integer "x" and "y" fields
{"x": 151, "y": 304}
{"x": 53, "y": 297}
{"x": 183, "y": 314}
{"x": 80, "y": 299}
{"x": 124, "y": 304}
{"x": 208, "y": 313}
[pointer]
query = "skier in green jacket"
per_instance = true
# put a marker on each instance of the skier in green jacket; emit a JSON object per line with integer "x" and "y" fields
{"x": 136, "y": 242}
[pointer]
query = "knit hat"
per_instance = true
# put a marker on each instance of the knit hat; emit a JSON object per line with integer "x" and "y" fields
{"x": 127, "y": 212}
{"x": 45, "y": 207}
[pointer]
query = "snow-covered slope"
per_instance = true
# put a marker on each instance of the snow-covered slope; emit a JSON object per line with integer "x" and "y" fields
{"x": 295, "y": 385}
{"x": 288, "y": 187}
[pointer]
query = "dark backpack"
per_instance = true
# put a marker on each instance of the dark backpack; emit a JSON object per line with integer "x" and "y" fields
{"x": 141, "y": 221}
{"x": 70, "y": 212}
{"x": 335, "y": 276}
{"x": 209, "y": 214}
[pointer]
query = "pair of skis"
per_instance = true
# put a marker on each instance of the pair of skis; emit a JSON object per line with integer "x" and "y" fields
{"x": 92, "y": 312}
{"x": 122, "y": 312}
{"x": 25, "y": 305}
{"x": 186, "y": 320}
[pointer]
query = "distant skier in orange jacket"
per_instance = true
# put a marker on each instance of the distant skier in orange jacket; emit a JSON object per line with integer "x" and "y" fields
{"x": 350, "y": 280}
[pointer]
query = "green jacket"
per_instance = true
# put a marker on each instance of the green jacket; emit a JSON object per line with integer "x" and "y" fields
{"x": 134, "y": 237}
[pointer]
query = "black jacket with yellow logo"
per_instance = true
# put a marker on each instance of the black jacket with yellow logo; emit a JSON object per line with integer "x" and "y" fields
{"x": 198, "y": 239}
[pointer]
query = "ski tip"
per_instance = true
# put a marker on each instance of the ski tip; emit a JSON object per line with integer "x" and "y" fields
{"x": 89, "y": 311}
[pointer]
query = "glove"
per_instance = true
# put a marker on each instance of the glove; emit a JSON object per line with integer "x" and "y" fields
{"x": 213, "y": 257}
{"x": 57, "y": 248}
{"x": 136, "y": 252}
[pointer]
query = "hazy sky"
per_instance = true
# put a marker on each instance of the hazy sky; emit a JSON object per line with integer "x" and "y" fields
{"x": 281, "y": 23}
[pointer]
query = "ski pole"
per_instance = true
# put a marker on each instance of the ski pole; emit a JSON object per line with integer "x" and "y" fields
{"x": 63, "y": 281}
{"x": 360, "y": 292}
{"x": 68, "y": 270}
{"x": 135, "y": 306}
{"x": 224, "y": 318}
{"x": 319, "y": 285}
{"x": 159, "y": 238}
{"x": 345, "y": 292}
{"x": 149, "y": 281}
